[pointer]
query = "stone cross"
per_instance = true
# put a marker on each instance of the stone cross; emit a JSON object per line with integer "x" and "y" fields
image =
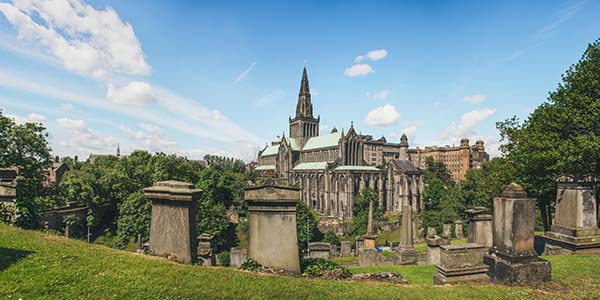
{"x": 512, "y": 258}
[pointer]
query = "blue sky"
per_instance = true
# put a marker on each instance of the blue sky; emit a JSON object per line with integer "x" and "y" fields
{"x": 192, "y": 78}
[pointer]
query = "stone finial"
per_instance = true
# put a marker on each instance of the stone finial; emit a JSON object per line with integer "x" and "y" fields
{"x": 514, "y": 190}
{"x": 431, "y": 233}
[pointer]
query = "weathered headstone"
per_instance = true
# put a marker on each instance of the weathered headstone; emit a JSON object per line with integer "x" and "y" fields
{"x": 319, "y": 250}
{"x": 206, "y": 251}
{"x": 345, "y": 249}
{"x": 333, "y": 251}
{"x": 480, "y": 226}
{"x": 173, "y": 223}
{"x": 512, "y": 258}
{"x": 406, "y": 252}
{"x": 447, "y": 231}
{"x": 434, "y": 242}
{"x": 574, "y": 229}
{"x": 461, "y": 263}
{"x": 272, "y": 236}
{"x": 458, "y": 229}
{"x": 237, "y": 257}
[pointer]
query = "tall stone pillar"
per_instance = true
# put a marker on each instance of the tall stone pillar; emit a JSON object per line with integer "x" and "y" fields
{"x": 173, "y": 223}
{"x": 361, "y": 183}
{"x": 480, "y": 226}
{"x": 272, "y": 236}
{"x": 574, "y": 229}
{"x": 512, "y": 258}
{"x": 407, "y": 255}
{"x": 380, "y": 191}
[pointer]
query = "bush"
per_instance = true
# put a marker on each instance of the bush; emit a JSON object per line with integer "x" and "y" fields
{"x": 251, "y": 265}
{"x": 224, "y": 258}
{"x": 314, "y": 267}
{"x": 331, "y": 238}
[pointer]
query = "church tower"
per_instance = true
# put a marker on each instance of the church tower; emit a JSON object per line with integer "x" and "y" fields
{"x": 304, "y": 125}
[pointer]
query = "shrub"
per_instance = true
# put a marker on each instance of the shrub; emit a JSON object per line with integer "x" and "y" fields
{"x": 251, "y": 265}
{"x": 314, "y": 267}
{"x": 224, "y": 258}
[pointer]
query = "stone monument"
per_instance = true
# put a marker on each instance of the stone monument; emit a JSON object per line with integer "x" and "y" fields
{"x": 480, "y": 226}
{"x": 345, "y": 249}
{"x": 10, "y": 187}
{"x": 206, "y": 250}
{"x": 237, "y": 257}
{"x": 458, "y": 229}
{"x": 272, "y": 236}
{"x": 319, "y": 250}
{"x": 447, "y": 231}
{"x": 574, "y": 229}
{"x": 461, "y": 263}
{"x": 512, "y": 258}
{"x": 173, "y": 223}
{"x": 434, "y": 242}
{"x": 406, "y": 252}
{"x": 368, "y": 239}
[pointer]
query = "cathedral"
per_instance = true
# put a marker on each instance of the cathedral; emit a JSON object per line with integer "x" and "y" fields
{"x": 332, "y": 168}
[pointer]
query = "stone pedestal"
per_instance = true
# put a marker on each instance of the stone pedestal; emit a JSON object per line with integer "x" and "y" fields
{"x": 319, "y": 250}
{"x": 434, "y": 242}
{"x": 461, "y": 263}
{"x": 358, "y": 247}
{"x": 345, "y": 249}
{"x": 574, "y": 229}
{"x": 512, "y": 258}
{"x": 173, "y": 223}
{"x": 333, "y": 251}
{"x": 206, "y": 250}
{"x": 447, "y": 231}
{"x": 368, "y": 257}
{"x": 272, "y": 236}
{"x": 458, "y": 229}
{"x": 407, "y": 255}
{"x": 237, "y": 257}
{"x": 480, "y": 226}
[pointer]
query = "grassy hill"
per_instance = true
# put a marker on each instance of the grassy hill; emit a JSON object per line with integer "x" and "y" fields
{"x": 43, "y": 266}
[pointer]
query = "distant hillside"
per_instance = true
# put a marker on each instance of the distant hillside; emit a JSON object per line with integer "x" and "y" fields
{"x": 44, "y": 266}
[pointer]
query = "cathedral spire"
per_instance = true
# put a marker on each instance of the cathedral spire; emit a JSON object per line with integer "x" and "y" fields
{"x": 304, "y": 106}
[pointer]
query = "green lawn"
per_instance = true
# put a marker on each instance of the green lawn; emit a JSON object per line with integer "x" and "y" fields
{"x": 44, "y": 266}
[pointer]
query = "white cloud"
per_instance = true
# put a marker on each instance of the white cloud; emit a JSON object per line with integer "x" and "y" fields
{"x": 66, "y": 106}
{"x": 381, "y": 95}
{"x": 358, "y": 70}
{"x": 85, "y": 40}
{"x": 467, "y": 124}
{"x": 474, "y": 99}
{"x": 270, "y": 96}
{"x": 382, "y": 116}
{"x": 30, "y": 118}
{"x": 372, "y": 55}
{"x": 82, "y": 139}
{"x": 151, "y": 138}
{"x": 244, "y": 74}
{"x": 323, "y": 127}
{"x": 411, "y": 132}
{"x": 136, "y": 92}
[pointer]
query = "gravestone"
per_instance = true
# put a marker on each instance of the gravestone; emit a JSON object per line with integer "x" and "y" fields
{"x": 272, "y": 236}
{"x": 574, "y": 229}
{"x": 206, "y": 251}
{"x": 447, "y": 231}
{"x": 407, "y": 255}
{"x": 173, "y": 223}
{"x": 461, "y": 263}
{"x": 512, "y": 258}
{"x": 333, "y": 251}
{"x": 319, "y": 250}
{"x": 434, "y": 242}
{"x": 237, "y": 257}
{"x": 480, "y": 226}
{"x": 458, "y": 229}
{"x": 345, "y": 249}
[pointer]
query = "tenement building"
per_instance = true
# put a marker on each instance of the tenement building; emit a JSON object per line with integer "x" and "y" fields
{"x": 332, "y": 168}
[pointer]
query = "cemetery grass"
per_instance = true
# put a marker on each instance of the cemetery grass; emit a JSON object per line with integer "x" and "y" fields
{"x": 34, "y": 265}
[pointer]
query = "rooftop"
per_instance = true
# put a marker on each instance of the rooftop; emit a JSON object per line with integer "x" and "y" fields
{"x": 323, "y": 141}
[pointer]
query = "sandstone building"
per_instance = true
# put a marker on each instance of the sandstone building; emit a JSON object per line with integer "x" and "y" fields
{"x": 332, "y": 168}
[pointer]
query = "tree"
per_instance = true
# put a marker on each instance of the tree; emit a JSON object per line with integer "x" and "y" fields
{"x": 134, "y": 218}
{"x": 482, "y": 184}
{"x": 360, "y": 211}
{"x": 306, "y": 226}
{"x": 331, "y": 238}
{"x": 444, "y": 201}
{"x": 25, "y": 147}
{"x": 561, "y": 136}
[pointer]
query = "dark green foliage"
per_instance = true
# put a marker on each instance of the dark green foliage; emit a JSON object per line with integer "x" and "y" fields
{"x": 561, "y": 136}
{"x": 314, "y": 267}
{"x": 444, "y": 201}
{"x": 225, "y": 163}
{"x": 306, "y": 226}
{"x": 331, "y": 238}
{"x": 224, "y": 258}
{"x": 134, "y": 218}
{"x": 481, "y": 185}
{"x": 24, "y": 146}
{"x": 360, "y": 211}
{"x": 251, "y": 265}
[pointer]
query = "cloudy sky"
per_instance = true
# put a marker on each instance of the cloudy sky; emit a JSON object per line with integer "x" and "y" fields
{"x": 222, "y": 77}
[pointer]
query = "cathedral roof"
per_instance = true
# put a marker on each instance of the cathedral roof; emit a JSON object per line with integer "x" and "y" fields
{"x": 311, "y": 166}
{"x": 265, "y": 167}
{"x": 405, "y": 166}
{"x": 293, "y": 144}
{"x": 357, "y": 168}
{"x": 323, "y": 141}
{"x": 270, "y": 150}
